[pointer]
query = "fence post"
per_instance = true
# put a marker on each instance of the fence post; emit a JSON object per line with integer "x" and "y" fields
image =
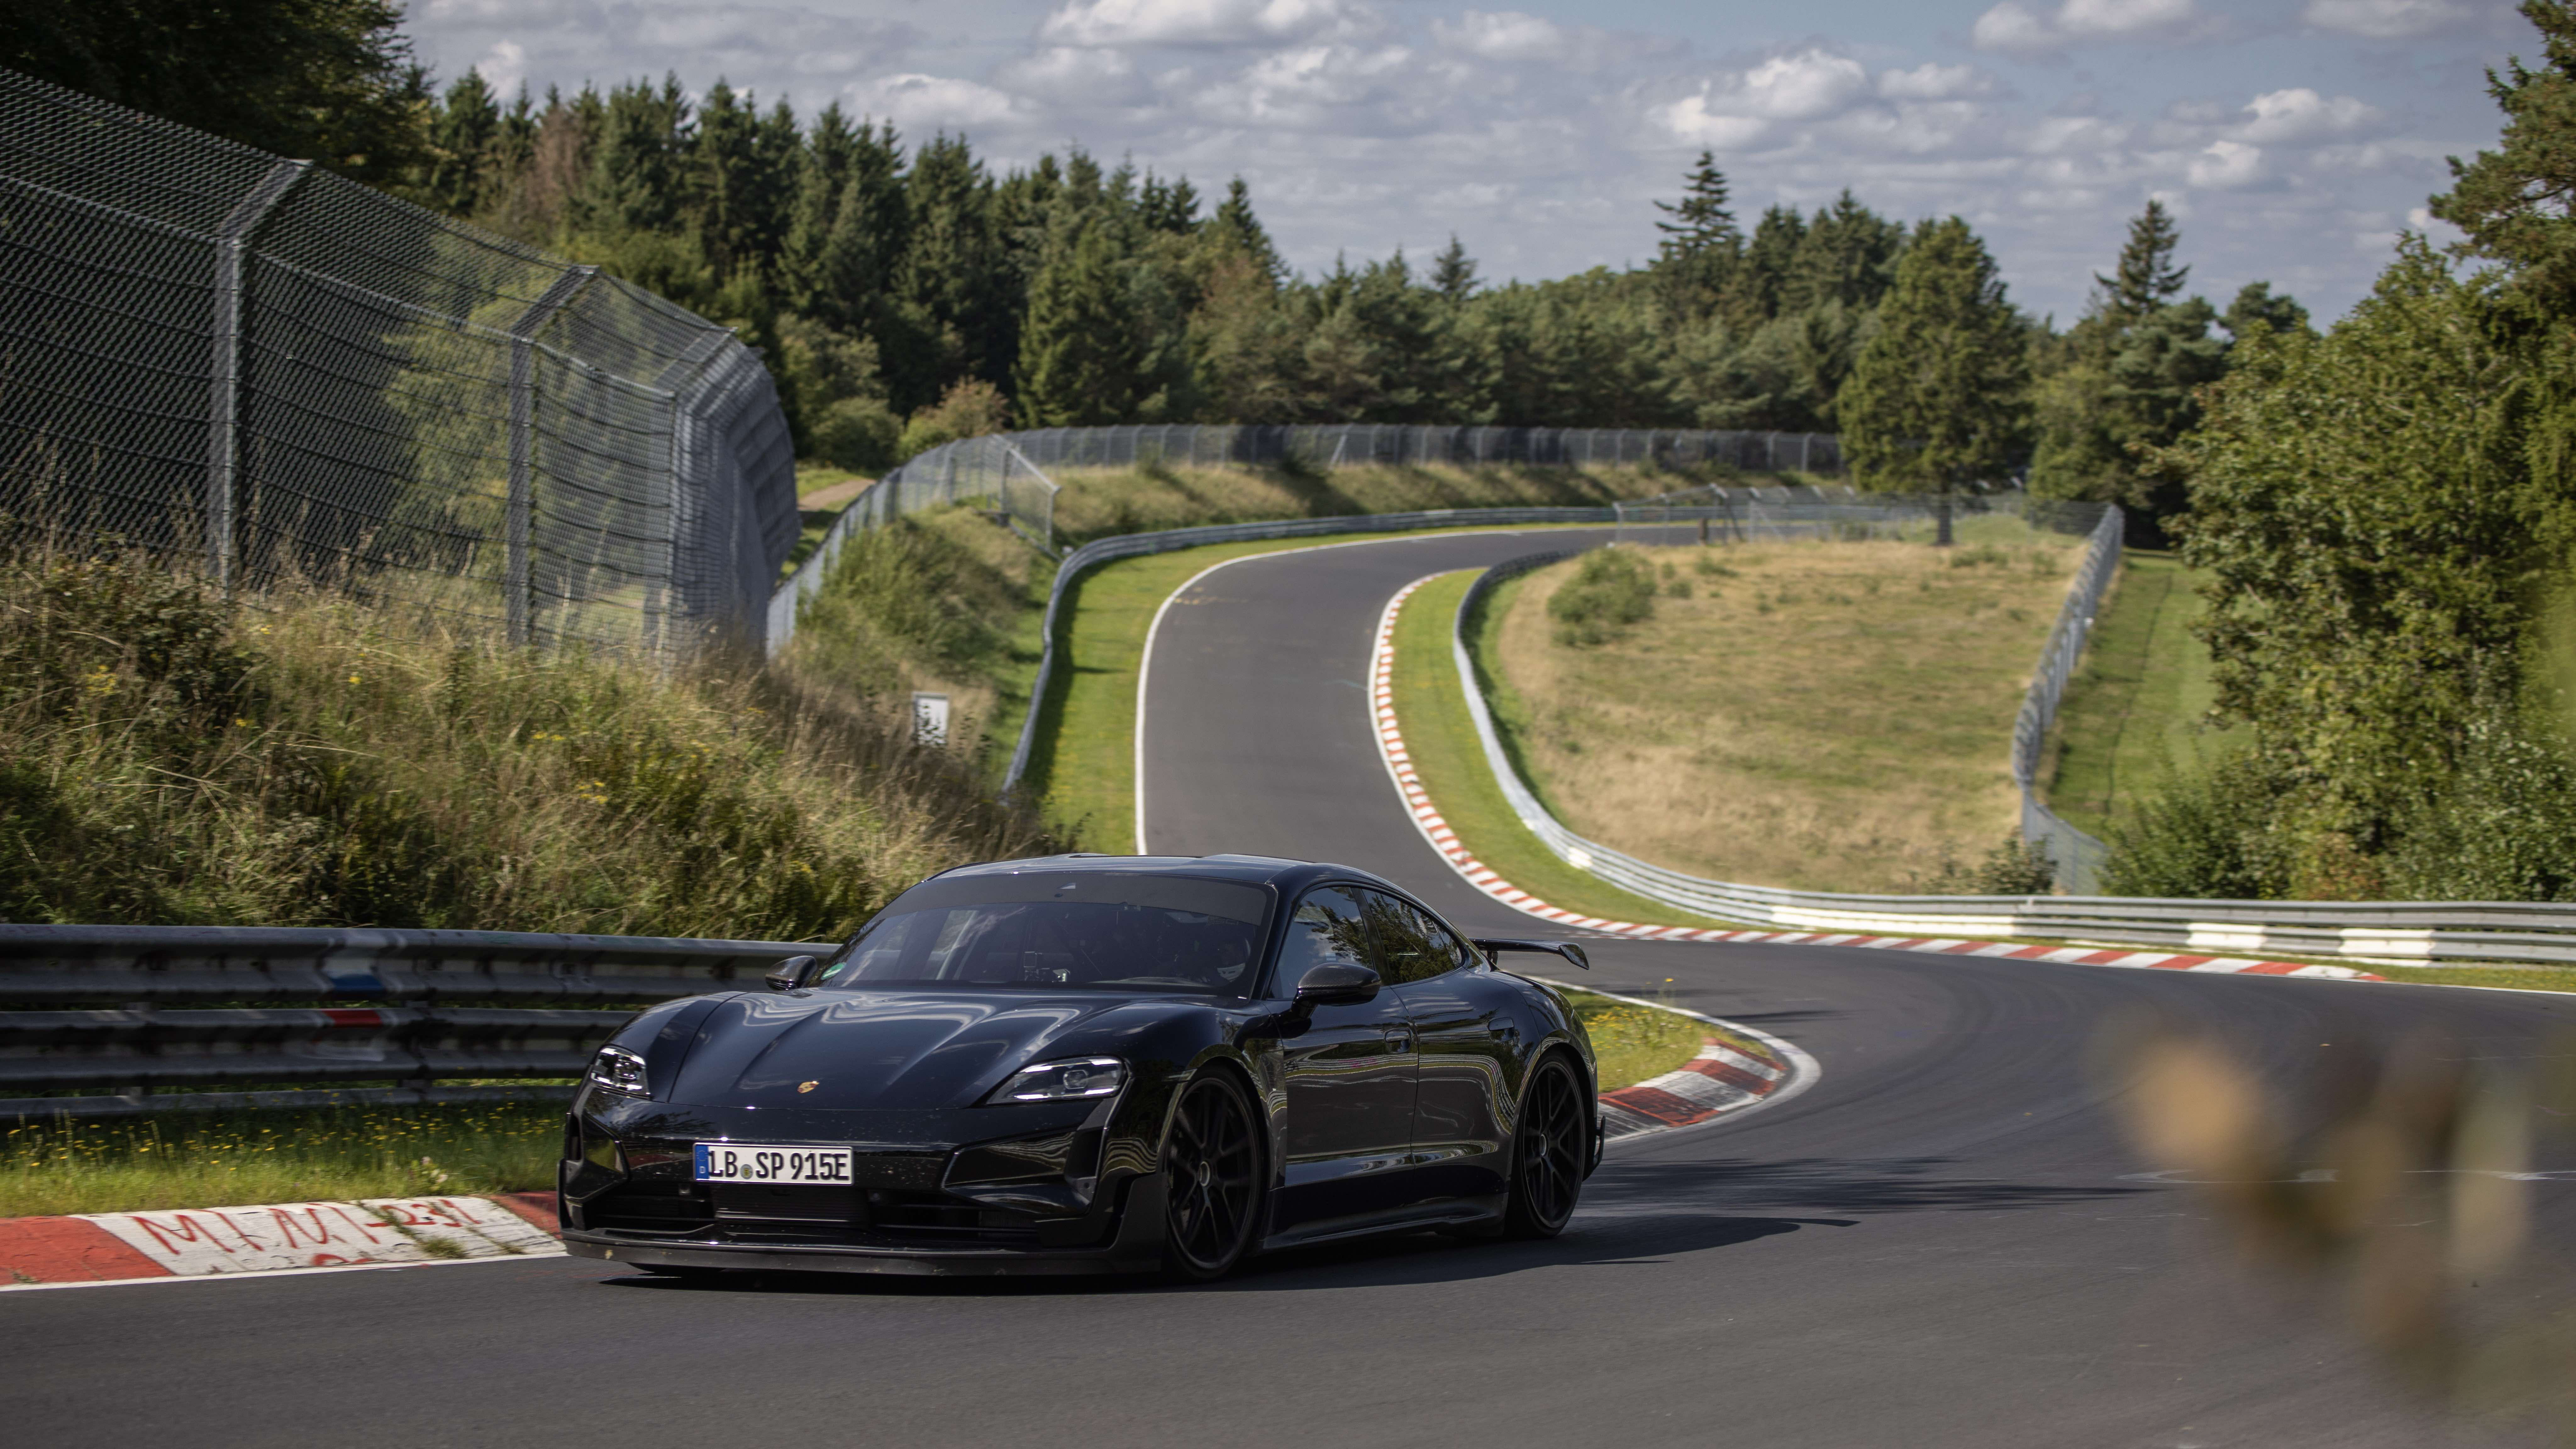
{"x": 523, "y": 427}
{"x": 223, "y": 415}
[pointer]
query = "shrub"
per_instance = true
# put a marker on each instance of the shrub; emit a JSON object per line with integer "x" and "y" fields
{"x": 971, "y": 408}
{"x": 1611, "y": 589}
{"x": 2013, "y": 868}
{"x": 860, "y": 434}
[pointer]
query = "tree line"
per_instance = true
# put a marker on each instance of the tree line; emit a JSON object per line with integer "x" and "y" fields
{"x": 2388, "y": 511}
{"x": 904, "y": 290}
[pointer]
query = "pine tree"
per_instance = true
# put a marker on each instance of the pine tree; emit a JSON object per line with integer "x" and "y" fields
{"x": 1935, "y": 402}
{"x": 1848, "y": 255}
{"x": 462, "y": 143}
{"x": 1453, "y": 272}
{"x": 1237, "y": 227}
{"x": 1700, "y": 222}
{"x": 2514, "y": 203}
{"x": 1079, "y": 365}
{"x": 2146, "y": 277}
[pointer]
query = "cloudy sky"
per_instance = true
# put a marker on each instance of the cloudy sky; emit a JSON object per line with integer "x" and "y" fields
{"x": 2293, "y": 137}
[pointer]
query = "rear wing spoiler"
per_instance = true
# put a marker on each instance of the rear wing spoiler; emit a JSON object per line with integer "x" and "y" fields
{"x": 1566, "y": 949}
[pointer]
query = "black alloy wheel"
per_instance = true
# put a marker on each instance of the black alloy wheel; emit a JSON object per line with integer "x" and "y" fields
{"x": 1213, "y": 1182}
{"x": 1547, "y": 1153}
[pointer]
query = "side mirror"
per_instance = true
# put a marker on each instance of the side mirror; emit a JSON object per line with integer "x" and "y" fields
{"x": 791, "y": 973}
{"x": 1336, "y": 983}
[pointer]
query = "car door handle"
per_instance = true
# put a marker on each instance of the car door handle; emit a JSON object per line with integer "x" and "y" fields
{"x": 1399, "y": 1039}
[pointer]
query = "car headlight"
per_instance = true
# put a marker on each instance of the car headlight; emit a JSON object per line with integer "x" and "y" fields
{"x": 1064, "y": 1081}
{"x": 619, "y": 1070}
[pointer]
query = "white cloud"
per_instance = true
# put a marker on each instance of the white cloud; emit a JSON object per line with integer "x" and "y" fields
{"x": 2227, "y": 165}
{"x": 2383, "y": 19}
{"x": 1506, "y": 35}
{"x": 504, "y": 67}
{"x": 1804, "y": 86}
{"x": 927, "y": 102}
{"x": 2124, "y": 17}
{"x": 1205, "y": 22}
{"x": 1690, "y": 119}
{"x": 2300, "y": 114}
{"x": 2012, "y": 28}
{"x": 1934, "y": 82}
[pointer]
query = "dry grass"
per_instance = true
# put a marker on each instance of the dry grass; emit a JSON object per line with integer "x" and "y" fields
{"x": 1823, "y": 716}
{"x": 1097, "y": 502}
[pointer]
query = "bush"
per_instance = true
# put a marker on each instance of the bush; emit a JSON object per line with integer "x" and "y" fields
{"x": 2210, "y": 832}
{"x": 176, "y": 760}
{"x": 2503, "y": 828}
{"x": 969, "y": 409}
{"x": 2013, "y": 868}
{"x": 860, "y": 434}
{"x": 1612, "y": 589}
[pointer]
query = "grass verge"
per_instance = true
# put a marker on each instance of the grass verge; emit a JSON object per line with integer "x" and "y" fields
{"x": 217, "y": 1160}
{"x": 1440, "y": 735}
{"x": 2133, "y": 710}
{"x": 169, "y": 758}
{"x": 1819, "y": 715}
{"x": 1631, "y": 1043}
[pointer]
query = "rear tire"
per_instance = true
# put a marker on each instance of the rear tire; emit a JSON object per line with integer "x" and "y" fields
{"x": 1213, "y": 1181}
{"x": 1548, "y": 1151}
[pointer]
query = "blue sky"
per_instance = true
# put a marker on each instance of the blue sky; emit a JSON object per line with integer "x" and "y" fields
{"x": 2294, "y": 138}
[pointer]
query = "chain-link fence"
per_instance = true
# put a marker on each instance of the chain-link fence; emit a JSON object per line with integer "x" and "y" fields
{"x": 249, "y": 365}
{"x": 1349, "y": 445}
{"x": 2079, "y": 857}
{"x": 1718, "y": 514}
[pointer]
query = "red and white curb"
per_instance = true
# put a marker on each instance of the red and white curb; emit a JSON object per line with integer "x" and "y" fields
{"x": 1720, "y": 1079}
{"x": 1426, "y": 818}
{"x": 382, "y": 1232}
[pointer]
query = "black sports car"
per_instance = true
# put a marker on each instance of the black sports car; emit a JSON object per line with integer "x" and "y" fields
{"x": 1085, "y": 1063}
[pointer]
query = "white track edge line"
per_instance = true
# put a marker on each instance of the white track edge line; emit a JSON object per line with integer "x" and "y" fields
{"x": 1145, "y": 664}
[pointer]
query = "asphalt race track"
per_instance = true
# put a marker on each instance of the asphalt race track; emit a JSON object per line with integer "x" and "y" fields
{"x": 1945, "y": 1242}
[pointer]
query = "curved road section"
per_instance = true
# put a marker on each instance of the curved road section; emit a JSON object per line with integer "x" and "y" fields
{"x": 1945, "y": 1242}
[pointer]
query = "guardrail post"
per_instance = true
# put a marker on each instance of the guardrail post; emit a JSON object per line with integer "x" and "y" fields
{"x": 223, "y": 413}
{"x": 523, "y": 416}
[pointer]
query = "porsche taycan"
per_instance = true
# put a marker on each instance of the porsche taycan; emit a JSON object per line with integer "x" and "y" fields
{"x": 1092, "y": 1063}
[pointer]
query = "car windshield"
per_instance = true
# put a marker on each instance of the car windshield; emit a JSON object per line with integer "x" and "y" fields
{"x": 1091, "y": 931}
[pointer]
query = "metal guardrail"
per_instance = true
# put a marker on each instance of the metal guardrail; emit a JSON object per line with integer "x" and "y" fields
{"x": 384, "y": 1010}
{"x": 2383, "y": 932}
{"x": 1134, "y": 545}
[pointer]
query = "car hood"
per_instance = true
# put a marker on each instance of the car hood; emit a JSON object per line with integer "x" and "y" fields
{"x": 880, "y": 1050}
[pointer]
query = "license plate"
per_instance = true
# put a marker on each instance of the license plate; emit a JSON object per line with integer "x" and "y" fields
{"x": 751, "y": 1162}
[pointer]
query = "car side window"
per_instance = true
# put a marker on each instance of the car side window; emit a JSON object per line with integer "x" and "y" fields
{"x": 1410, "y": 945}
{"x": 1328, "y": 925}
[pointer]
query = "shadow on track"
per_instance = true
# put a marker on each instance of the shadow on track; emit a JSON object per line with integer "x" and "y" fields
{"x": 1823, "y": 1185}
{"x": 1634, "y": 1214}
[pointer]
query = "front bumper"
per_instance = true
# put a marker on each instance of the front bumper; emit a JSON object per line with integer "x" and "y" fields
{"x": 931, "y": 1192}
{"x": 1135, "y": 1247}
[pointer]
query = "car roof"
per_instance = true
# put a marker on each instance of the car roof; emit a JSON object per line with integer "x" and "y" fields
{"x": 1287, "y": 875}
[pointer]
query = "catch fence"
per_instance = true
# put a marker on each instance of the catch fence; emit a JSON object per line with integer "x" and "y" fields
{"x": 1352, "y": 445}
{"x": 1007, "y": 473}
{"x": 231, "y": 361}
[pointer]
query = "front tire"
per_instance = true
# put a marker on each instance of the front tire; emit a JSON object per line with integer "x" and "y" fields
{"x": 1212, "y": 1202}
{"x": 1548, "y": 1153}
